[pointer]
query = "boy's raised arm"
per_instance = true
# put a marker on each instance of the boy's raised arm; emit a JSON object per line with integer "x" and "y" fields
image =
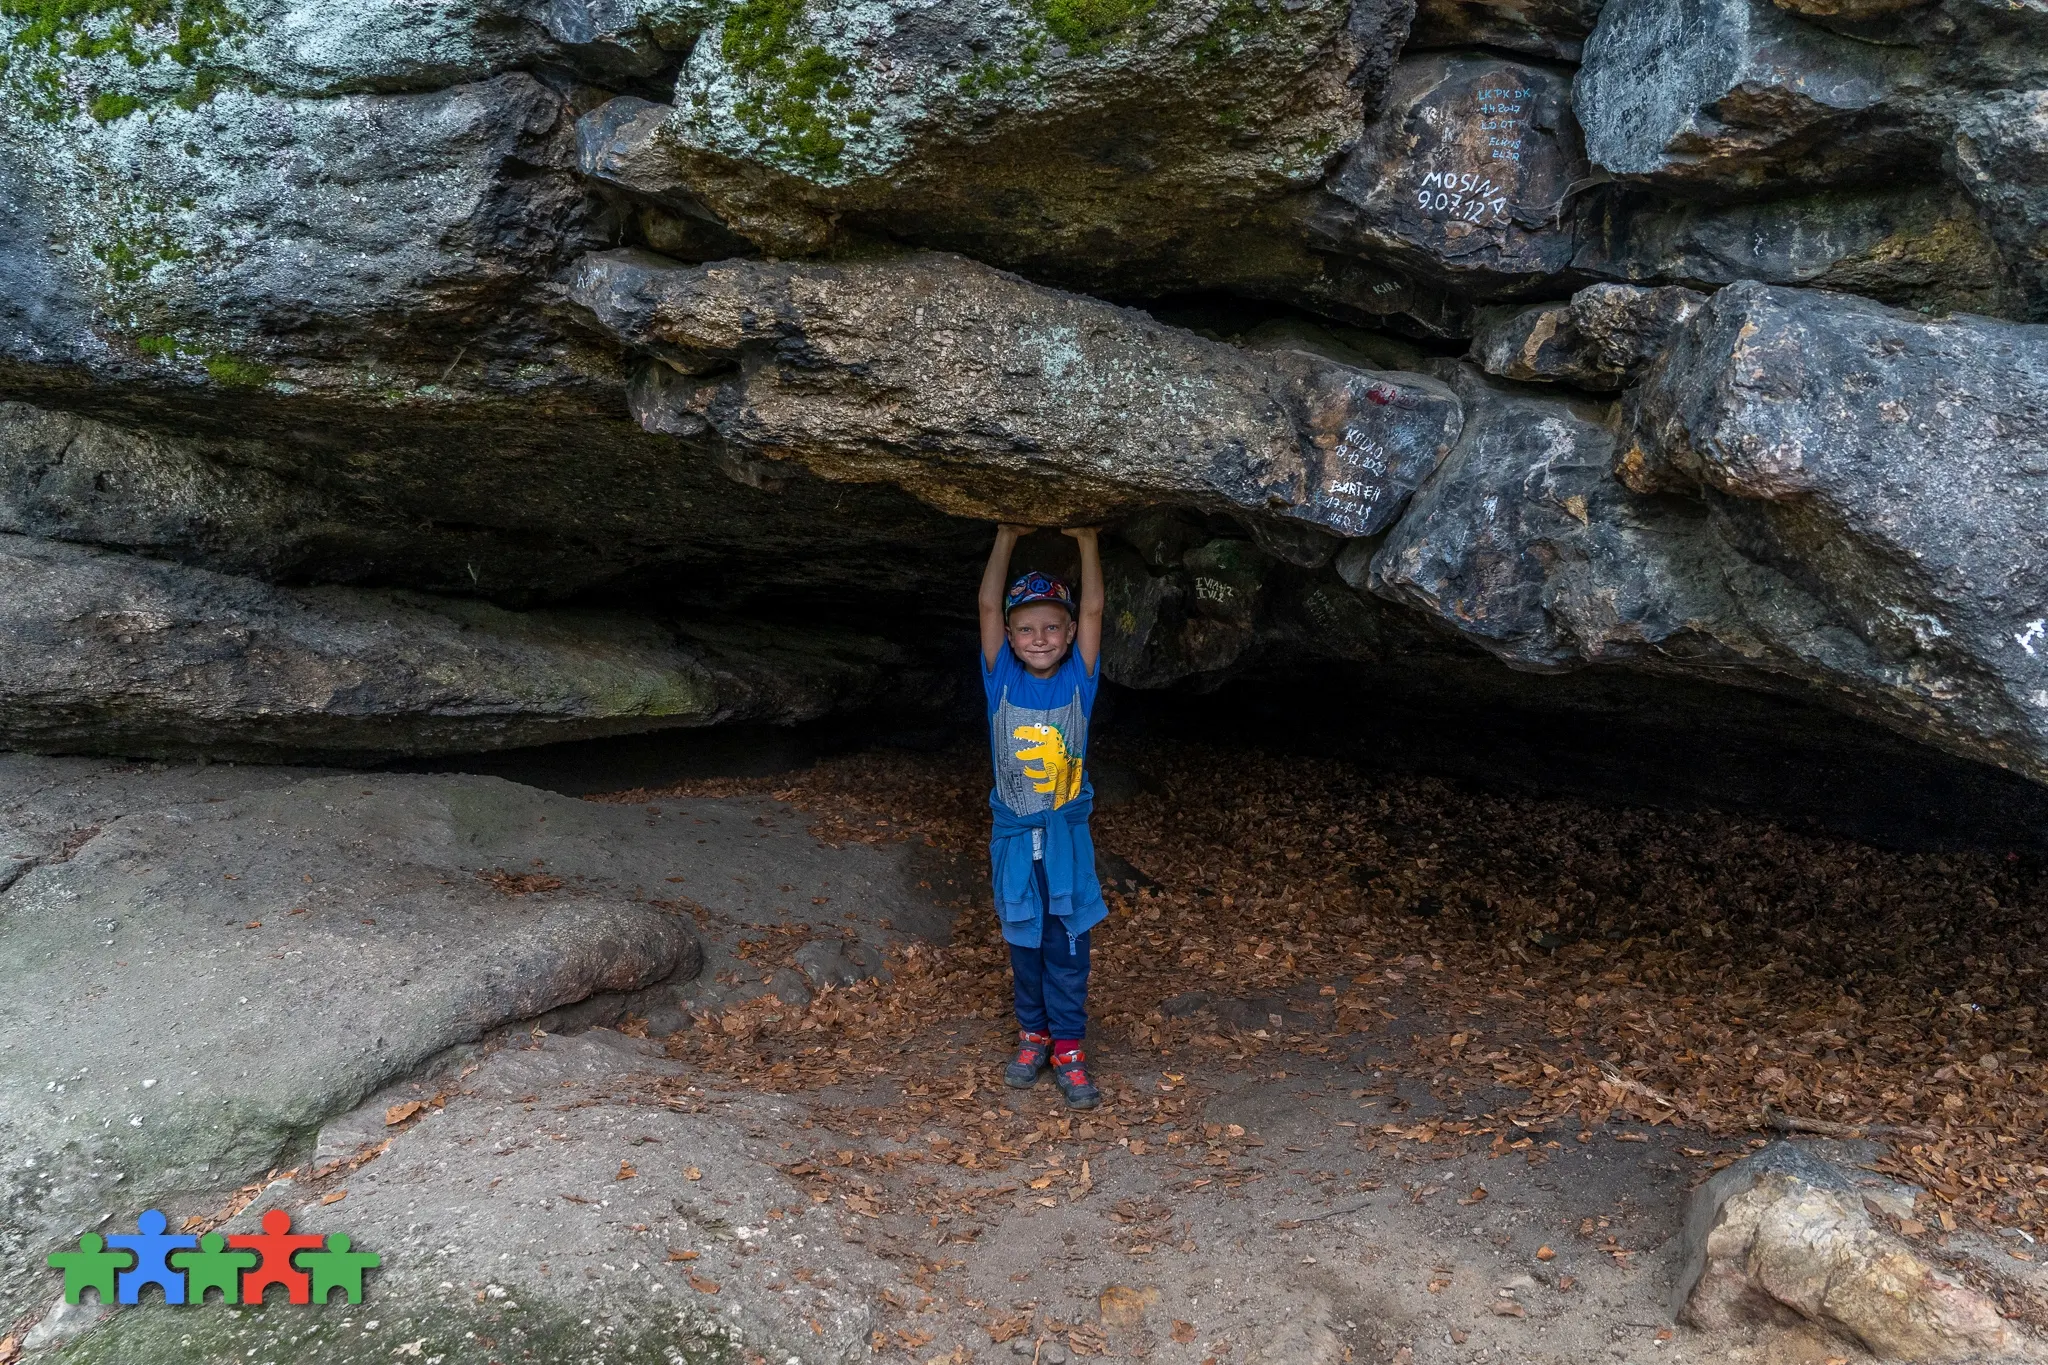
{"x": 994, "y": 580}
{"x": 1088, "y": 639}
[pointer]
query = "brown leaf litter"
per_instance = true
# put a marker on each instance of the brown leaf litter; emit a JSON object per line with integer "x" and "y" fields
{"x": 1697, "y": 969}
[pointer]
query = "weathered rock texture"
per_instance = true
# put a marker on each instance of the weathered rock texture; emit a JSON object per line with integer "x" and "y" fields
{"x": 1093, "y": 143}
{"x": 1891, "y": 464}
{"x": 1785, "y": 1234}
{"x": 637, "y": 310}
{"x": 1601, "y": 340}
{"x": 990, "y": 397}
{"x": 228, "y": 974}
{"x": 115, "y": 653}
{"x": 1803, "y": 487}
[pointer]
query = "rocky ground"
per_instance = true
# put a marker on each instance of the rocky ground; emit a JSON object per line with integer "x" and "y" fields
{"x": 1331, "y": 1133}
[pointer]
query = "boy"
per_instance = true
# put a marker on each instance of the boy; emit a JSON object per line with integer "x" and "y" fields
{"x": 1040, "y": 650}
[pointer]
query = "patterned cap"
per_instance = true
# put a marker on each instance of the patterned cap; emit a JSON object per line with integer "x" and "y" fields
{"x": 1039, "y": 587}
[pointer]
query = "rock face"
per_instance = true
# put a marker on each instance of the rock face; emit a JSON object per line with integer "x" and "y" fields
{"x": 1601, "y": 340}
{"x": 580, "y": 317}
{"x": 1465, "y": 178}
{"x": 1794, "y": 479}
{"x": 1067, "y": 140}
{"x": 115, "y": 653}
{"x": 989, "y": 397}
{"x": 1890, "y": 458}
{"x": 1785, "y": 1233}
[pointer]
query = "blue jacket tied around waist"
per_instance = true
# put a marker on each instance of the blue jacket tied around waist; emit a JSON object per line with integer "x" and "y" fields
{"x": 1075, "y": 894}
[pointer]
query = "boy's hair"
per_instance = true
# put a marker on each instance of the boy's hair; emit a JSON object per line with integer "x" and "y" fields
{"x": 1035, "y": 587}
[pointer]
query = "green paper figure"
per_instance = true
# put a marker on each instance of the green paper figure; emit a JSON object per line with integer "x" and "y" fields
{"x": 90, "y": 1267}
{"x": 213, "y": 1266}
{"x": 338, "y": 1268}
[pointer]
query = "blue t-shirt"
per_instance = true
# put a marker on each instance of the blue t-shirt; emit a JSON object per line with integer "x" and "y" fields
{"x": 1038, "y": 731}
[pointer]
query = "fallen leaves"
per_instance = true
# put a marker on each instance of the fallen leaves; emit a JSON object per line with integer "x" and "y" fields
{"x": 692, "y": 1173}
{"x": 699, "y": 1283}
{"x": 1691, "y": 968}
{"x": 400, "y": 1112}
{"x": 519, "y": 883}
{"x": 627, "y": 1171}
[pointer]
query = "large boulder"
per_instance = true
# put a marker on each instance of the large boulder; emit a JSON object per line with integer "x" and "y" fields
{"x": 112, "y": 653}
{"x": 1803, "y": 487}
{"x": 362, "y": 241}
{"x": 1526, "y": 544}
{"x": 1743, "y": 94}
{"x": 990, "y": 397}
{"x": 190, "y": 990}
{"x": 1786, "y": 1234}
{"x": 1092, "y": 144}
{"x": 1465, "y": 176}
{"x": 1891, "y": 463}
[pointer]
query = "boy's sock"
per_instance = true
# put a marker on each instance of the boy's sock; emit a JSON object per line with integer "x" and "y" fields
{"x": 1065, "y": 1047}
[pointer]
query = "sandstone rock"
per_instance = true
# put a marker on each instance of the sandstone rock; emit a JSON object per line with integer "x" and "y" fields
{"x": 472, "y": 499}
{"x": 1526, "y": 544}
{"x": 1783, "y": 1232}
{"x": 989, "y": 397}
{"x": 1542, "y": 28}
{"x": 1818, "y": 489}
{"x": 1923, "y": 247}
{"x": 1464, "y": 176}
{"x": 1739, "y": 93}
{"x": 1999, "y": 155}
{"x": 112, "y": 653}
{"x": 189, "y": 234}
{"x": 1602, "y": 339}
{"x": 1080, "y": 143}
{"x": 1889, "y": 462}
{"x": 141, "y": 959}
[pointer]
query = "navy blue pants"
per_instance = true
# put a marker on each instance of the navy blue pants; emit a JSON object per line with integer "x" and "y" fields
{"x": 1051, "y": 980}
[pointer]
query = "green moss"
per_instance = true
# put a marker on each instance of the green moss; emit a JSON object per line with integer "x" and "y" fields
{"x": 107, "y": 106}
{"x": 791, "y": 90}
{"x": 162, "y": 347}
{"x": 1088, "y": 26}
{"x": 235, "y": 373}
{"x": 1226, "y": 31}
{"x": 48, "y": 37}
{"x": 987, "y": 77}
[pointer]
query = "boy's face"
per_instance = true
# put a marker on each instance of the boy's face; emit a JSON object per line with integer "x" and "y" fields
{"x": 1040, "y": 634}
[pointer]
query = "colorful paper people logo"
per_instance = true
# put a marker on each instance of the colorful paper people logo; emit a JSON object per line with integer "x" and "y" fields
{"x": 240, "y": 1267}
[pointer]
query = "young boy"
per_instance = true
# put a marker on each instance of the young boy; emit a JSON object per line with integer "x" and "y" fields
{"x": 1040, "y": 650}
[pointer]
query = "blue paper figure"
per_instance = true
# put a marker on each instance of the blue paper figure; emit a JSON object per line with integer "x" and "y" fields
{"x": 150, "y": 1248}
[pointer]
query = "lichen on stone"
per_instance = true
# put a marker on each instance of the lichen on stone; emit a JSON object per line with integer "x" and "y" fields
{"x": 111, "y": 58}
{"x": 1088, "y": 26}
{"x": 795, "y": 93}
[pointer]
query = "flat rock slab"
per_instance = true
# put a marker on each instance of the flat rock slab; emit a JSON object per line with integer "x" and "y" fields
{"x": 197, "y": 986}
{"x": 117, "y": 653}
{"x": 987, "y": 396}
{"x": 507, "y": 1233}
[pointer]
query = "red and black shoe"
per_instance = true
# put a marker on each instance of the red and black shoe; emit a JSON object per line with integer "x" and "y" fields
{"x": 1034, "y": 1053}
{"x": 1070, "y": 1073}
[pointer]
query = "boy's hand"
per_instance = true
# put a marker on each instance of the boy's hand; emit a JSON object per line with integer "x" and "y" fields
{"x": 1081, "y": 532}
{"x": 1014, "y": 529}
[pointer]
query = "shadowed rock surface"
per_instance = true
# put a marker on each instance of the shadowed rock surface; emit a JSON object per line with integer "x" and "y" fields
{"x": 470, "y": 301}
{"x": 114, "y": 651}
{"x": 990, "y": 397}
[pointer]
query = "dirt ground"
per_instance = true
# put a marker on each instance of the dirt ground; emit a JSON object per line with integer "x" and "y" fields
{"x": 1396, "y": 1073}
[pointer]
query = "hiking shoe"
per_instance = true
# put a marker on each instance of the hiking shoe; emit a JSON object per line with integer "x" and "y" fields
{"x": 1034, "y": 1053}
{"x": 1070, "y": 1073}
